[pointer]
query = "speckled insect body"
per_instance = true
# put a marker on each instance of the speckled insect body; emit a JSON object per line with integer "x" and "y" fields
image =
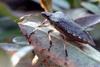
{"x": 68, "y": 28}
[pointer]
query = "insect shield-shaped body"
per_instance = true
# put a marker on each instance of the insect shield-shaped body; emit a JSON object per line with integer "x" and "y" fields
{"x": 68, "y": 28}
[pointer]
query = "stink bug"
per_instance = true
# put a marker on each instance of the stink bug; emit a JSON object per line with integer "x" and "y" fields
{"x": 68, "y": 28}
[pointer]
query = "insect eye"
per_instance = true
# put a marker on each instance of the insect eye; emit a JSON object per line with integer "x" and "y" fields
{"x": 46, "y": 14}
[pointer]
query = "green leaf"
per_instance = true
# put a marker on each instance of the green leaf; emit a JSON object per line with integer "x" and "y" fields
{"x": 74, "y": 3}
{"x": 91, "y": 7}
{"x": 4, "y": 11}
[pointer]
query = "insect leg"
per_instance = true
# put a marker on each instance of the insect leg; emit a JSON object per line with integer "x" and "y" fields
{"x": 28, "y": 35}
{"x": 32, "y": 32}
{"x": 43, "y": 23}
{"x": 50, "y": 41}
{"x": 63, "y": 38}
{"x": 66, "y": 54}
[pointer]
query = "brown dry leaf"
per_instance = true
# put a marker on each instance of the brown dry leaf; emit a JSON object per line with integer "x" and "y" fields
{"x": 46, "y": 5}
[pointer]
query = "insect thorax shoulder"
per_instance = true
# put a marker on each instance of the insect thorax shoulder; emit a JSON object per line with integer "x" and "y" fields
{"x": 56, "y": 16}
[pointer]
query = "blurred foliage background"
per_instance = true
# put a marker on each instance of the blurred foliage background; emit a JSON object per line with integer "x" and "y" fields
{"x": 11, "y": 10}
